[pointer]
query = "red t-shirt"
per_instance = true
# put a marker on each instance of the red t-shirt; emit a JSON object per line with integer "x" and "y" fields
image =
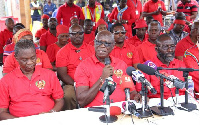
{"x": 42, "y": 61}
{"x": 26, "y": 97}
{"x": 90, "y": 70}
{"x": 136, "y": 41}
{"x": 40, "y": 32}
{"x": 70, "y": 56}
{"x": 47, "y": 39}
{"x": 11, "y": 48}
{"x": 183, "y": 45}
{"x": 52, "y": 52}
{"x": 150, "y": 6}
{"x": 136, "y": 7}
{"x": 155, "y": 81}
{"x": 191, "y": 60}
{"x": 127, "y": 53}
{"x": 146, "y": 51}
{"x": 4, "y": 36}
{"x": 89, "y": 37}
{"x": 65, "y": 13}
{"x": 188, "y": 8}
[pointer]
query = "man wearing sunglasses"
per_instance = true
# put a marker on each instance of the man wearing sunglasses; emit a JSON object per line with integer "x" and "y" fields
{"x": 123, "y": 49}
{"x": 92, "y": 72}
{"x": 67, "y": 59}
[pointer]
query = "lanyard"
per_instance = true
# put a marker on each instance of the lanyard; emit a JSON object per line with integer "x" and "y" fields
{"x": 134, "y": 3}
{"x": 92, "y": 14}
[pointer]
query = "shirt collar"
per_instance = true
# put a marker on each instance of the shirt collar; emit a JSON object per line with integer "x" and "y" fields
{"x": 149, "y": 43}
{"x": 189, "y": 40}
{"x": 161, "y": 64}
{"x": 92, "y": 7}
{"x": 74, "y": 48}
{"x": 68, "y": 6}
{"x": 19, "y": 73}
{"x": 124, "y": 46}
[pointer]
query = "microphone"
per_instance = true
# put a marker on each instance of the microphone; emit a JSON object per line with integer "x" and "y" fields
{"x": 139, "y": 77}
{"x": 127, "y": 85}
{"x": 150, "y": 64}
{"x": 114, "y": 110}
{"x": 151, "y": 71}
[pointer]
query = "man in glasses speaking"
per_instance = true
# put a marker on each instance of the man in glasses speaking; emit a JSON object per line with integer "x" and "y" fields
{"x": 92, "y": 72}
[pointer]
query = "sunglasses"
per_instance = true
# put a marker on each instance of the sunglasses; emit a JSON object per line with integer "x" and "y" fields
{"x": 75, "y": 33}
{"x": 106, "y": 44}
{"x": 118, "y": 32}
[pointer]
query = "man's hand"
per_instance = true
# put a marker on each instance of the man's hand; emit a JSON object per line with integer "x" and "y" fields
{"x": 50, "y": 12}
{"x": 107, "y": 71}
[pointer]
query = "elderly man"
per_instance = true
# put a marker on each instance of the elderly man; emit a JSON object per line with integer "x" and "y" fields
{"x": 91, "y": 73}
{"x": 67, "y": 60}
{"x": 29, "y": 90}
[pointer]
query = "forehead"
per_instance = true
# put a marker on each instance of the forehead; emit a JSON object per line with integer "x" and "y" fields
{"x": 10, "y": 21}
{"x": 119, "y": 28}
{"x": 153, "y": 26}
{"x": 52, "y": 20}
{"x": 26, "y": 53}
{"x": 89, "y": 23}
{"x": 104, "y": 38}
{"x": 76, "y": 28}
{"x": 168, "y": 41}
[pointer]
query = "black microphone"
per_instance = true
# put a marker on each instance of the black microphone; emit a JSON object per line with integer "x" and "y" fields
{"x": 151, "y": 71}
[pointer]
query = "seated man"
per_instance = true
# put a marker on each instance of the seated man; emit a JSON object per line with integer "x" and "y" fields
{"x": 89, "y": 35}
{"x": 91, "y": 73}
{"x": 29, "y": 90}
{"x": 165, "y": 47}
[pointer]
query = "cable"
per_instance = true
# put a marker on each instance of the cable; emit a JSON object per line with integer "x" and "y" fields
{"x": 132, "y": 118}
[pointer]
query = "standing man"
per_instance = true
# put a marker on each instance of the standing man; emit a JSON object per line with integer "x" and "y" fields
{"x": 140, "y": 37}
{"x": 49, "y": 37}
{"x": 92, "y": 72}
{"x": 147, "y": 50}
{"x": 68, "y": 10}
{"x": 67, "y": 60}
{"x": 5, "y": 35}
{"x": 89, "y": 35}
{"x": 156, "y": 8}
{"x": 36, "y": 8}
{"x": 187, "y": 42}
{"x": 29, "y": 90}
{"x": 49, "y": 8}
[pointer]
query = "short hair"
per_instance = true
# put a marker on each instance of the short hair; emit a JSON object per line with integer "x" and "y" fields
{"x": 162, "y": 37}
{"x": 75, "y": 25}
{"x": 153, "y": 22}
{"x": 149, "y": 17}
{"x": 115, "y": 25}
{"x": 6, "y": 21}
{"x": 19, "y": 24}
{"x": 180, "y": 16}
{"x": 23, "y": 44}
{"x": 87, "y": 20}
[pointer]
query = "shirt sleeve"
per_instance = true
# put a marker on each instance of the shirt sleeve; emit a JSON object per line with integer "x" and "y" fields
{"x": 10, "y": 64}
{"x": 62, "y": 58}
{"x": 82, "y": 17}
{"x": 59, "y": 15}
{"x": 179, "y": 51}
{"x": 38, "y": 34}
{"x": 45, "y": 61}
{"x": 42, "y": 40}
{"x": 163, "y": 6}
{"x": 51, "y": 53}
{"x": 194, "y": 8}
{"x": 111, "y": 16}
{"x": 145, "y": 7}
{"x": 45, "y": 11}
{"x": 4, "y": 96}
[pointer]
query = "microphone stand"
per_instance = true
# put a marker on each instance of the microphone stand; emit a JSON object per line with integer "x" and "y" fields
{"x": 161, "y": 110}
{"x": 145, "y": 111}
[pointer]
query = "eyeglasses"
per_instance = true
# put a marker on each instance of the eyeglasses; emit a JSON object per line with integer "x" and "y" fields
{"x": 117, "y": 32}
{"x": 166, "y": 47}
{"x": 106, "y": 44}
{"x": 75, "y": 33}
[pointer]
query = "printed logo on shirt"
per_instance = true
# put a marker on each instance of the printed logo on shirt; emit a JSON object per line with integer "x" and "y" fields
{"x": 40, "y": 84}
{"x": 118, "y": 73}
{"x": 130, "y": 55}
{"x": 38, "y": 61}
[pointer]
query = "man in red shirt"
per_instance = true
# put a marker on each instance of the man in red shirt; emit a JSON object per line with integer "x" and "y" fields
{"x": 91, "y": 73}
{"x": 189, "y": 7}
{"x": 188, "y": 41}
{"x": 156, "y": 8}
{"x": 29, "y": 90}
{"x": 44, "y": 28}
{"x": 191, "y": 60}
{"x": 165, "y": 47}
{"x": 123, "y": 49}
{"x": 147, "y": 50}
{"x": 5, "y": 35}
{"x": 49, "y": 37}
{"x": 68, "y": 10}
{"x": 67, "y": 59}
{"x": 89, "y": 35}
{"x": 140, "y": 37}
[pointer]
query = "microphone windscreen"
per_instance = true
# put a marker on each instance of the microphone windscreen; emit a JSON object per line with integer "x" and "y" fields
{"x": 150, "y": 64}
{"x": 107, "y": 61}
{"x": 129, "y": 70}
{"x": 115, "y": 110}
{"x": 126, "y": 82}
{"x": 146, "y": 69}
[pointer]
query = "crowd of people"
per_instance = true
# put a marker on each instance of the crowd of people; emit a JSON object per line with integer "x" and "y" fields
{"x": 66, "y": 69}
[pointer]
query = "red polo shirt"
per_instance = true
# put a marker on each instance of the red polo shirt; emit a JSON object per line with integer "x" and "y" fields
{"x": 10, "y": 48}
{"x": 127, "y": 53}
{"x": 40, "y": 32}
{"x": 183, "y": 45}
{"x": 89, "y": 37}
{"x": 70, "y": 57}
{"x": 42, "y": 61}
{"x": 136, "y": 7}
{"x": 136, "y": 41}
{"x": 150, "y": 6}
{"x": 26, "y": 97}
{"x": 155, "y": 81}
{"x": 90, "y": 70}
{"x": 188, "y": 8}
{"x": 146, "y": 51}
{"x": 52, "y": 52}
{"x": 65, "y": 13}
{"x": 47, "y": 39}
{"x": 191, "y": 60}
{"x": 4, "y": 36}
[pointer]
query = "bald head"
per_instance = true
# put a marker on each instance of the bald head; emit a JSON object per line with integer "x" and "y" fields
{"x": 164, "y": 37}
{"x": 75, "y": 26}
{"x": 106, "y": 34}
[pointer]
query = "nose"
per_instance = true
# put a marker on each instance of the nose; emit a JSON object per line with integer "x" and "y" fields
{"x": 29, "y": 62}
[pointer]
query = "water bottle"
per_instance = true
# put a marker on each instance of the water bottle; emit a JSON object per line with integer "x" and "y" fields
{"x": 190, "y": 88}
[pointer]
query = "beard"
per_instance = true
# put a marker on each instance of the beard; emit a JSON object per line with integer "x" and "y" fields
{"x": 165, "y": 57}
